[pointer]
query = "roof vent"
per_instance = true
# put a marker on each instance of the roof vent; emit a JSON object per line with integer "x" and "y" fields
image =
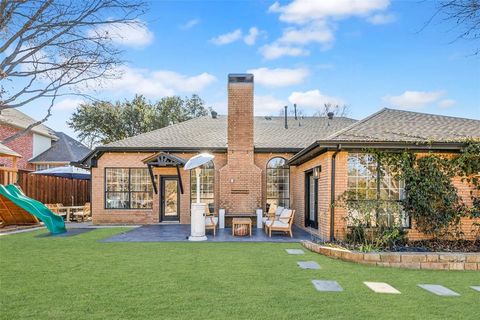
{"x": 330, "y": 115}
{"x": 268, "y": 118}
{"x": 214, "y": 114}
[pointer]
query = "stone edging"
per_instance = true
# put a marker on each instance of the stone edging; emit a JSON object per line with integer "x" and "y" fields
{"x": 407, "y": 260}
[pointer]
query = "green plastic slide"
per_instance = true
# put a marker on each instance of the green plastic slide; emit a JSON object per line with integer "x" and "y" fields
{"x": 53, "y": 222}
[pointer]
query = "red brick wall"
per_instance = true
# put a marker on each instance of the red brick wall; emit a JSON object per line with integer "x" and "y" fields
{"x": 22, "y": 145}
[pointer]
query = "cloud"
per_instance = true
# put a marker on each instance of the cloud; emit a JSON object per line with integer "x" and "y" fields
{"x": 382, "y": 18}
{"x": 275, "y": 51}
{"x": 313, "y": 99}
{"x": 227, "y": 37}
{"x": 414, "y": 99}
{"x": 267, "y": 105}
{"x": 304, "y": 11}
{"x": 190, "y": 24}
{"x": 315, "y": 22}
{"x": 158, "y": 83}
{"x": 252, "y": 35}
{"x": 315, "y": 32}
{"x": 279, "y": 77}
{"x": 67, "y": 104}
{"x": 132, "y": 35}
{"x": 446, "y": 103}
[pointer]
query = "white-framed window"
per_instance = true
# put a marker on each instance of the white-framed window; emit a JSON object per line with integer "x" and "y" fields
{"x": 369, "y": 181}
{"x": 278, "y": 182}
{"x": 128, "y": 188}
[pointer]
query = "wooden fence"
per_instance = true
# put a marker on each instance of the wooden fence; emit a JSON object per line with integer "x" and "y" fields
{"x": 48, "y": 189}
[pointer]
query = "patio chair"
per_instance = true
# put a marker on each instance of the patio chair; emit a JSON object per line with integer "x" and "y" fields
{"x": 83, "y": 214}
{"x": 273, "y": 213}
{"x": 283, "y": 223}
{"x": 211, "y": 221}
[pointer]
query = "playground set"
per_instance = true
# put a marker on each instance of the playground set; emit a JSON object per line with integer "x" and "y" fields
{"x": 18, "y": 209}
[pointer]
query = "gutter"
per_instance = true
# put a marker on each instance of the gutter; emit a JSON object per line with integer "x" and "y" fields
{"x": 332, "y": 194}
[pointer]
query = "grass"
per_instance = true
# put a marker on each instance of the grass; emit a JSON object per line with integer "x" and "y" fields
{"x": 81, "y": 278}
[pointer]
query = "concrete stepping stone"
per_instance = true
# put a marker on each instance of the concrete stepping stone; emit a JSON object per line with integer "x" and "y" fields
{"x": 327, "y": 286}
{"x": 381, "y": 287}
{"x": 476, "y": 288}
{"x": 295, "y": 251}
{"x": 308, "y": 265}
{"x": 439, "y": 290}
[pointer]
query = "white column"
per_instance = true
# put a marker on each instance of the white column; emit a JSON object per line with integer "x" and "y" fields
{"x": 221, "y": 218}
{"x": 259, "y": 218}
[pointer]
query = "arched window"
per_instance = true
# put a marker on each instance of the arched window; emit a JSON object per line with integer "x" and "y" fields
{"x": 278, "y": 182}
{"x": 207, "y": 185}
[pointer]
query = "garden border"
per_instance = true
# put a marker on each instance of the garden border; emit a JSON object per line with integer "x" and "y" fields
{"x": 406, "y": 260}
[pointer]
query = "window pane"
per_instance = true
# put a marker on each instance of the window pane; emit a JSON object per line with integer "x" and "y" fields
{"x": 141, "y": 200}
{"x": 140, "y": 180}
{"x": 117, "y": 179}
{"x": 117, "y": 200}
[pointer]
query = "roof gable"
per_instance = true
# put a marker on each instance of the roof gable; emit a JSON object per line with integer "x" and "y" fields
{"x": 16, "y": 118}
{"x": 65, "y": 149}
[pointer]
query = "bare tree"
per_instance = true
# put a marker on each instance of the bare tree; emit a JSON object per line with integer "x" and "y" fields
{"x": 50, "y": 48}
{"x": 338, "y": 110}
{"x": 465, "y": 16}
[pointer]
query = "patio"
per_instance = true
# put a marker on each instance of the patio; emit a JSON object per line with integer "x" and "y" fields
{"x": 180, "y": 233}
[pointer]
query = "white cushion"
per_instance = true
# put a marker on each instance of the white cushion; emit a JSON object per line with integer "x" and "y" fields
{"x": 279, "y": 211}
{"x": 285, "y": 216}
{"x": 208, "y": 220}
{"x": 264, "y": 219}
{"x": 280, "y": 224}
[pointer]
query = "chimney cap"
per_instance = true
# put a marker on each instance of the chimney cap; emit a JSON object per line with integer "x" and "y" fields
{"x": 330, "y": 115}
{"x": 214, "y": 114}
{"x": 240, "y": 78}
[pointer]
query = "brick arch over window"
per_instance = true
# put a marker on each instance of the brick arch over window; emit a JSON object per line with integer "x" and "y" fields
{"x": 207, "y": 185}
{"x": 278, "y": 182}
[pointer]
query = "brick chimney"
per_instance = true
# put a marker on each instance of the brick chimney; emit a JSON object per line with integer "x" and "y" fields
{"x": 240, "y": 178}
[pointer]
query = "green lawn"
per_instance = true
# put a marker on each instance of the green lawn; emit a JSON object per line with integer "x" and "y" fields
{"x": 80, "y": 278}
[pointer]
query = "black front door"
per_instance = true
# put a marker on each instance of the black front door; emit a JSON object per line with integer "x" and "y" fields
{"x": 169, "y": 199}
{"x": 311, "y": 200}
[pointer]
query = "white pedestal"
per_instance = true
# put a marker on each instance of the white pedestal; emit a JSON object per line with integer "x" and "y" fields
{"x": 221, "y": 218}
{"x": 259, "y": 218}
{"x": 198, "y": 222}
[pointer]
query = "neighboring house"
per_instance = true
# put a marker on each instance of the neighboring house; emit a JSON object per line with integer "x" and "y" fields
{"x": 303, "y": 163}
{"x": 41, "y": 147}
{"x": 62, "y": 152}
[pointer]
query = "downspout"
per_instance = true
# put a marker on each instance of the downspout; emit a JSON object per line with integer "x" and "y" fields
{"x": 332, "y": 194}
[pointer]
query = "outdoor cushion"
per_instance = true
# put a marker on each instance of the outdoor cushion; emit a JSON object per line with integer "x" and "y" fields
{"x": 279, "y": 224}
{"x": 285, "y": 216}
{"x": 272, "y": 208}
{"x": 279, "y": 211}
{"x": 208, "y": 220}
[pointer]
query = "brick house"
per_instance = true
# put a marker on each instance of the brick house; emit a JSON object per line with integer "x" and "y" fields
{"x": 41, "y": 147}
{"x": 301, "y": 163}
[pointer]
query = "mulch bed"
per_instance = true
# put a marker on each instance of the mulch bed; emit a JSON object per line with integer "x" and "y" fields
{"x": 421, "y": 246}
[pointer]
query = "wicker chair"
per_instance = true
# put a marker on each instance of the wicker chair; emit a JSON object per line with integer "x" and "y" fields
{"x": 283, "y": 223}
{"x": 83, "y": 214}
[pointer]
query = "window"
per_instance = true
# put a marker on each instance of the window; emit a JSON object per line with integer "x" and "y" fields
{"x": 128, "y": 188}
{"x": 278, "y": 182}
{"x": 371, "y": 182}
{"x": 207, "y": 185}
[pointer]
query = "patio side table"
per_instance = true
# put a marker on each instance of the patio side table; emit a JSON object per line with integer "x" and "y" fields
{"x": 238, "y": 223}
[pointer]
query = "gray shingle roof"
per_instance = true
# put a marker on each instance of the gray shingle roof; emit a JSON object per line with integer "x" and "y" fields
{"x": 206, "y": 132}
{"x": 407, "y": 126}
{"x": 65, "y": 149}
{"x": 20, "y": 120}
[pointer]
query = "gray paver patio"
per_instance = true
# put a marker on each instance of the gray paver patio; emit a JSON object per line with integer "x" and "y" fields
{"x": 327, "y": 285}
{"x": 476, "y": 288}
{"x": 439, "y": 290}
{"x": 381, "y": 287}
{"x": 308, "y": 265}
{"x": 295, "y": 251}
{"x": 180, "y": 233}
